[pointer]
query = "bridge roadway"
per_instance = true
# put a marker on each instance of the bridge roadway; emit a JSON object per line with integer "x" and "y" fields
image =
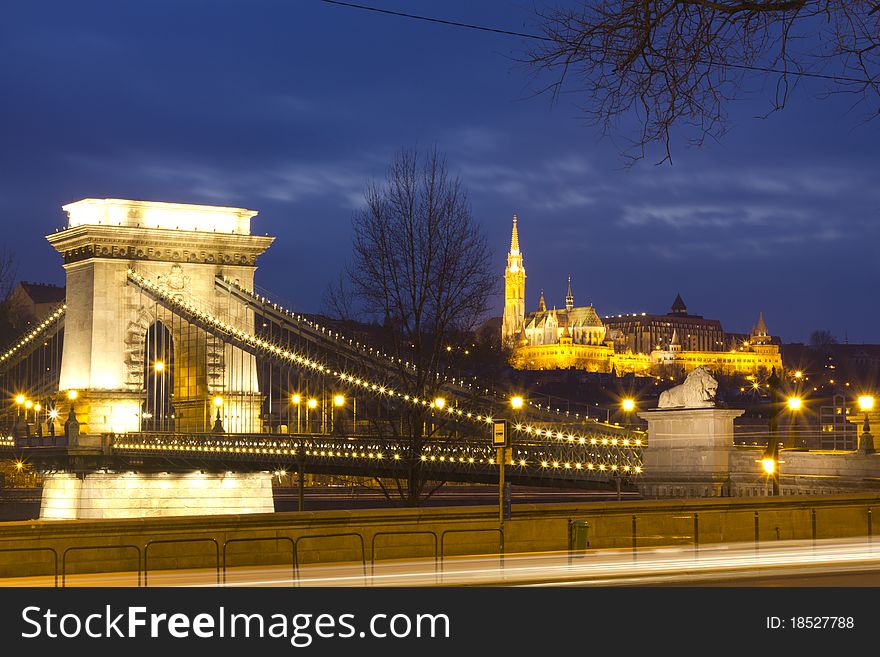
{"x": 535, "y": 462}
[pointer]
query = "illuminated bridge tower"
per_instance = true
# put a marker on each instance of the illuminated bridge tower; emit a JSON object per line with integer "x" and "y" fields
{"x": 181, "y": 248}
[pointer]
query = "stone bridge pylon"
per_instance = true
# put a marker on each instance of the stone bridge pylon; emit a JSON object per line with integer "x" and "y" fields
{"x": 105, "y": 356}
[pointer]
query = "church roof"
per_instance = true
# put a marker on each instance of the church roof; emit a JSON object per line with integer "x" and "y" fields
{"x": 574, "y": 318}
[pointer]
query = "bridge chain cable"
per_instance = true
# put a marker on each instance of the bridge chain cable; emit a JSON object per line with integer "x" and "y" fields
{"x": 29, "y": 340}
{"x": 334, "y": 339}
{"x": 257, "y": 346}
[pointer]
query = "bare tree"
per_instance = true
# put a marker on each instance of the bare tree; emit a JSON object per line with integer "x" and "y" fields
{"x": 422, "y": 267}
{"x": 8, "y": 271}
{"x": 676, "y": 63}
{"x": 821, "y": 339}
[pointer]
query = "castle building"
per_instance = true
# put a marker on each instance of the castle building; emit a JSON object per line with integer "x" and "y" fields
{"x": 644, "y": 332}
{"x": 643, "y": 344}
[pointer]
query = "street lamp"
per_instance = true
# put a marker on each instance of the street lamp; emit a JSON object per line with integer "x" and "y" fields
{"x": 794, "y": 404}
{"x": 338, "y": 402}
{"x": 311, "y": 404}
{"x": 439, "y": 403}
{"x": 516, "y": 403}
{"x": 866, "y": 443}
{"x": 295, "y": 399}
{"x": 628, "y": 405}
{"x": 218, "y": 422}
{"x": 770, "y": 462}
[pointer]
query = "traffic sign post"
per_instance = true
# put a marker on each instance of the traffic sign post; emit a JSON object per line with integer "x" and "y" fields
{"x": 501, "y": 441}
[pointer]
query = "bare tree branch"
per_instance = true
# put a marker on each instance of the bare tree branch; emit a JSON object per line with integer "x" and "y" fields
{"x": 674, "y": 65}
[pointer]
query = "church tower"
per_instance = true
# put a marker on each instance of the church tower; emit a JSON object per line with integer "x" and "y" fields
{"x": 569, "y": 298}
{"x": 514, "y": 291}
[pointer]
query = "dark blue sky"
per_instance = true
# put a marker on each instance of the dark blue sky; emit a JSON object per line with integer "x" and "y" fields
{"x": 291, "y": 107}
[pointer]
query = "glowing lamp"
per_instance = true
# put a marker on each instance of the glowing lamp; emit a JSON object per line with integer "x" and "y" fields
{"x": 295, "y": 399}
{"x": 19, "y": 399}
{"x": 72, "y": 394}
{"x": 338, "y": 400}
{"x": 218, "y": 401}
{"x": 516, "y": 402}
{"x": 38, "y": 407}
{"x": 312, "y": 403}
{"x": 28, "y": 404}
{"x": 629, "y": 405}
{"x": 159, "y": 366}
{"x": 440, "y": 403}
{"x": 769, "y": 465}
{"x": 795, "y": 403}
{"x": 866, "y": 402}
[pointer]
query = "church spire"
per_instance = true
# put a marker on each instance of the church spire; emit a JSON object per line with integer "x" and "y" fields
{"x": 514, "y": 290}
{"x": 674, "y": 344}
{"x": 761, "y": 328}
{"x": 569, "y": 298}
{"x": 514, "y": 239}
{"x": 542, "y": 306}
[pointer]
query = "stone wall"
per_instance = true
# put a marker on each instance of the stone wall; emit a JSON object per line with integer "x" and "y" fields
{"x": 198, "y": 542}
{"x": 136, "y": 495}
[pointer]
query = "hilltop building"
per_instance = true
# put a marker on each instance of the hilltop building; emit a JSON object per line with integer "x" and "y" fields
{"x": 576, "y": 336}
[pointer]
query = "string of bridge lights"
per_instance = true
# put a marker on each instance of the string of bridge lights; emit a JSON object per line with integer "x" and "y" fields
{"x": 475, "y": 456}
{"x": 34, "y": 333}
{"x": 378, "y": 353}
{"x": 438, "y": 404}
{"x": 365, "y": 349}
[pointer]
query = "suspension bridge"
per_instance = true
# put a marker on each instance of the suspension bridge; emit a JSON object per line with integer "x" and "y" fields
{"x": 164, "y": 359}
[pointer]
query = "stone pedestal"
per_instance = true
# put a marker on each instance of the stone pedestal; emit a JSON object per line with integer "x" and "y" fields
{"x": 688, "y": 452}
{"x": 139, "y": 495}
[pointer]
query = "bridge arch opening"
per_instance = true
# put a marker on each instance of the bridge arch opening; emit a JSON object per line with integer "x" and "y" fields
{"x": 159, "y": 378}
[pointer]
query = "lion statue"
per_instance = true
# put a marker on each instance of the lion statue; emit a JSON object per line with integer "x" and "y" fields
{"x": 697, "y": 391}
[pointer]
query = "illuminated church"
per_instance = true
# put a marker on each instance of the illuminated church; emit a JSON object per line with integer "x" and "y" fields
{"x": 644, "y": 344}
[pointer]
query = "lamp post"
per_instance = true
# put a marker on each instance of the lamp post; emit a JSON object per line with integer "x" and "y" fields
{"x": 296, "y": 400}
{"x": 866, "y": 440}
{"x": 37, "y": 421}
{"x": 628, "y": 405}
{"x": 312, "y": 404}
{"x": 794, "y": 404}
{"x": 159, "y": 395}
{"x": 770, "y": 459}
{"x": 53, "y": 415}
{"x": 218, "y": 421}
{"x": 338, "y": 402}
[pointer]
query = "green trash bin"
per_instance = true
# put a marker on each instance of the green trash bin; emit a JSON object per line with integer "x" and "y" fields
{"x": 578, "y": 540}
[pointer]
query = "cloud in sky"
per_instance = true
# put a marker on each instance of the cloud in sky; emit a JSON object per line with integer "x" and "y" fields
{"x": 293, "y": 108}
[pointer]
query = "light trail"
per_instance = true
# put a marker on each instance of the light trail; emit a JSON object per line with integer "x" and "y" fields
{"x": 646, "y": 566}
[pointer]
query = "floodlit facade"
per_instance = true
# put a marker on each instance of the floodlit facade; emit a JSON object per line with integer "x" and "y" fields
{"x": 643, "y": 344}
